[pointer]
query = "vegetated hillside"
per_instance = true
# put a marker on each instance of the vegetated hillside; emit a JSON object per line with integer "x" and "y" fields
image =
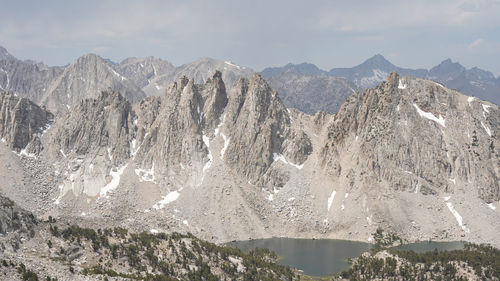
{"x": 50, "y": 250}
{"x": 474, "y": 262}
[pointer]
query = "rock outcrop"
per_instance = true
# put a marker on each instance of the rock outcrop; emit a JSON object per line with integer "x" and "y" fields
{"x": 260, "y": 132}
{"x": 102, "y": 125}
{"x": 22, "y": 122}
{"x": 13, "y": 218}
{"x": 26, "y": 79}
{"x": 414, "y": 134}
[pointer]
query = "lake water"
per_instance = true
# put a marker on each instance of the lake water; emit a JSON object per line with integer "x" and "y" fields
{"x": 327, "y": 256}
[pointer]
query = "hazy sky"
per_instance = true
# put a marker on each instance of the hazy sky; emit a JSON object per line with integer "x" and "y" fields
{"x": 257, "y": 33}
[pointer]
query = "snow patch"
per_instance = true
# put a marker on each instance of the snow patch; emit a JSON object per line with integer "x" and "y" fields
{"x": 470, "y": 99}
{"x": 185, "y": 222}
{"x": 167, "y": 199}
{"x": 146, "y": 175}
{"x": 24, "y": 152}
{"x": 486, "y": 108}
{"x": 330, "y": 199}
{"x": 291, "y": 199}
{"x": 458, "y": 217}
{"x": 430, "y": 116}
{"x": 113, "y": 184}
{"x": 117, "y": 74}
{"x": 346, "y": 195}
{"x": 232, "y": 64}
{"x": 491, "y": 206}
{"x": 270, "y": 197}
{"x": 417, "y": 188}
{"x": 280, "y": 157}
{"x": 342, "y": 207}
{"x": 109, "y": 154}
{"x": 154, "y": 231}
{"x": 488, "y": 131}
{"x": 226, "y": 144}
{"x": 401, "y": 85}
{"x": 133, "y": 144}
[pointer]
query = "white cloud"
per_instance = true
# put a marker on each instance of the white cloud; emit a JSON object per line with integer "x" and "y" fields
{"x": 476, "y": 44}
{"x": 365, "y": 16}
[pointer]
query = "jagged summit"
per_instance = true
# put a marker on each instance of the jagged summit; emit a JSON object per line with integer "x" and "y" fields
{"x": 446, "y": 70}
{"x": 87, "y": 77}
{"x": 199, "y": 70}
{"x": 226, "y": 163}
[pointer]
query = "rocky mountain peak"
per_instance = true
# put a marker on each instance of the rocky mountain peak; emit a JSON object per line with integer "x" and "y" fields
{"x": 261, "y": 132}
{"x": 88, "y": 76}
{"x": 446, "y": 70}
{"x": 380, "y": 62}
{"x": 453, "y": 132}
{"x": 5, "y": 55}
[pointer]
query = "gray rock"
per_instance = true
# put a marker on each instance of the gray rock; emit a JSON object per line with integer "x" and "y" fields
{"x": 86, "y": 78}
{"x": 311, "y": 94}
{"x": 413, "y": 132}
{"x": 21, "y": 121}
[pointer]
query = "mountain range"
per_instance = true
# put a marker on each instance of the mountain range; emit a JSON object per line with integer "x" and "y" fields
{"x": 302, "y": 86}
{"x": 475, "y": 81}
{"x": 92, "y": 143}
{"x": 409, "y": 155}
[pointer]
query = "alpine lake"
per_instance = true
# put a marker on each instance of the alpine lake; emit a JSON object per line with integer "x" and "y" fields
{"x": 322, "y": 257}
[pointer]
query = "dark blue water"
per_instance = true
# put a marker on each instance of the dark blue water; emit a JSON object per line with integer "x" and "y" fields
{"x": 327, "y": 256}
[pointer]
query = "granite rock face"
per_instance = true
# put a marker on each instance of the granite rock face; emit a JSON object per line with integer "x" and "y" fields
{"x": 22, "y": 122}
{"x": 26, "y": 79}
{"x": 100, "y": 125}
{"x": 260, "y": 132}
{"x": 409, "y": 156}
{"x": 414, "y": 134}
{"x": 86, "y": 78}
{"x": 175, "y": 143}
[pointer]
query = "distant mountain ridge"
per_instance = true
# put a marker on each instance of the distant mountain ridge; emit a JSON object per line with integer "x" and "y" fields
{"x": 475, "y": 81}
